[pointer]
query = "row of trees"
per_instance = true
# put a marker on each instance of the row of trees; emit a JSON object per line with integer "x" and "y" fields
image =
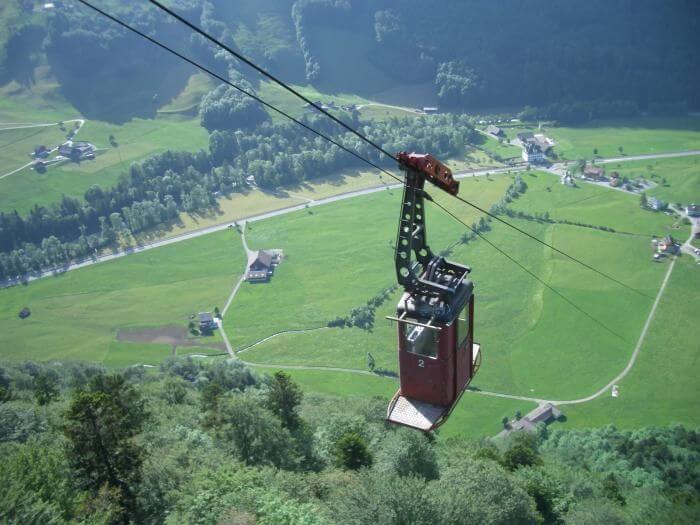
{"x": 211, "y": 443}
{"x": 158, "y": 189}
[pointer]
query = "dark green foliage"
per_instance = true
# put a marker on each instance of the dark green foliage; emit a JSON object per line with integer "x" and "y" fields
{"x": 408, "y": 453}
{"x": 257, "y": 436}
{"x": 227, "y": 108}
{"x": 283, "y": 399}
{"x": 351, "y": 452}
{"x": 230, "y": 374}
{"x": 481, "y": 492}
{"x": 363, "y": 316}
{"x": 239, "y": 464}
{"x": 100, "y": 425}
{"x": 46, "y": 387}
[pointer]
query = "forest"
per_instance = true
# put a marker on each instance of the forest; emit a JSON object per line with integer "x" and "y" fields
{"x": 215, "y": 442}
{"x": 640, "y": 54}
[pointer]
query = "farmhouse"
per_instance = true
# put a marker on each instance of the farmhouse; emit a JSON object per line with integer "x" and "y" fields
{"x": 206, "y": 322}
{"x": 615, "y": 179}
{"x": 261, "y": 265}
{"x": 41, "y": 152}
{"x": 593, "y": 172}
{"x": 532, "y": 153}
{"x": 657, "y": 204}
{"x": 692, "y": 210}
{"x": 667, "y": 245}
{"x": 545, "y": 413}
{"x": 77, "y": 150}
{"x": 495, "y": 131}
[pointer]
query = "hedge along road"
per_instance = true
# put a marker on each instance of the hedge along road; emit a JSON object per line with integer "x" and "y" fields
{"x": 290, "y": 209}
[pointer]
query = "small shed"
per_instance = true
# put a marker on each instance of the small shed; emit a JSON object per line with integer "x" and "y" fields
{"x": 24, "y": 313}
{"x": 495, "y": 131}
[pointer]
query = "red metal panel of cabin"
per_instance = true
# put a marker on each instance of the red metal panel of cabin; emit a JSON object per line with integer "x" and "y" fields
{"x": 425, "y": 378}
{"x": 464, "y": 357}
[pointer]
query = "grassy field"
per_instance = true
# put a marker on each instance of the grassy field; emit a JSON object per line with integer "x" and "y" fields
{"x": 682, "y": 176}
{"x": 136, "y": 140}
{"x": 337, "y": 257}
{"x": 662, "y": 387}
{"x": 77, "y": 315}
{"x": 635, "y": 135}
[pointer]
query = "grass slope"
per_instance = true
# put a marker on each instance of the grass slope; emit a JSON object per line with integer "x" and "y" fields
{"x": 76, "y": 315}
{"x": 662, "y": 387}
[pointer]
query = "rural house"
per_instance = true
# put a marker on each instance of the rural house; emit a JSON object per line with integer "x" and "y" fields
{"x": 657, "y": 204}
{"x": 261, "y": 265}
{"x": 206, "y": 322}
{"x": 532, "y": 153}
{"x": 77, "y": 150}
{"x": 545, "y": 413}
{"x": 615, "y": 179}
{"x": 593, "y": 172}
{"x": 692, "y": 210}
{"x": 41, "y": 152}
{"x": 667, "y": 245}
{"x": 495, "y": 131}
{"x": 430, "y": 110}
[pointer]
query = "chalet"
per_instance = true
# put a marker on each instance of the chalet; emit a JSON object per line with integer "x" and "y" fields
{"x": 657, "y": 204}
{"x": 667, "y": 245}
{"x": 261, "y": 265}
{"x": 545, "y": 413}
{"x": 495, "y": 131}
{"x": 41, "y": 152}
{"x": 593, "y": 172}
{"x": 533, "y": 154}
{"x": 615, "y": 179}
{"x": 692, "y": 210}
{"x": 206, "y": 322}
{"x": 77, "y": 150}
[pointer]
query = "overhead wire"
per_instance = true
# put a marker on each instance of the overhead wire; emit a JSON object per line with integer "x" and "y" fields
{"x": 352, "y": 130}
{"x": 367, "y": 161}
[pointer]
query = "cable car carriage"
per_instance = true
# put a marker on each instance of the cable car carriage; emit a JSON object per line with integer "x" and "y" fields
{"x": 437, "y": 353}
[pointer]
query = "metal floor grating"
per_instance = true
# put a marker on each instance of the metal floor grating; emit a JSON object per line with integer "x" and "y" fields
{"x": 415, "y": 414}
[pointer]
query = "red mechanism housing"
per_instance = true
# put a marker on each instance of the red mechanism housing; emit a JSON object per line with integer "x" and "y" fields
{"x": 437, "y": 353}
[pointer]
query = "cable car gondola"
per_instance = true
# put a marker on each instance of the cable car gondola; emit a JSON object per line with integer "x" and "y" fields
{"x": 435, "y": 315}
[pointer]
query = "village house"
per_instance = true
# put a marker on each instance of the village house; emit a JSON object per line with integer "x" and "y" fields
{"x": 656, "y": 204}
{"x": 261, "y": 265}
{"x": 495, "y": 131}
{"x": 206, "y": 322}
{"x": 545, "y": 413}
{"x": 593, "y": 172}
{"x": 41, "y": 152}
{"x": 615, "y": 179}
{"x": 77, "y": 150}
{"x": 533, "y": 154}
{"x": 667, "y": 245}
{"x": 692, "y": 210}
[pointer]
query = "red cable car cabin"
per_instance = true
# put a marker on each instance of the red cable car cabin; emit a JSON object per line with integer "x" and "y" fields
{"x": 437, "y": 353}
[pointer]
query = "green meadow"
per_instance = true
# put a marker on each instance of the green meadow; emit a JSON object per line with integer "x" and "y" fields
{"x": 636, "y": 136}
{"x": 677, "y": 179}
{"x": 77, "y": 315}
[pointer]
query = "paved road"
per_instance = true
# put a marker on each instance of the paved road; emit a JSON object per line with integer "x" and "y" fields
{"x": 320, "y": 202}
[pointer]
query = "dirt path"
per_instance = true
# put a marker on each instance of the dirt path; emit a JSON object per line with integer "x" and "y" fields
{"x": 277, "y": 334}
{"x": 617, "y": 378}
